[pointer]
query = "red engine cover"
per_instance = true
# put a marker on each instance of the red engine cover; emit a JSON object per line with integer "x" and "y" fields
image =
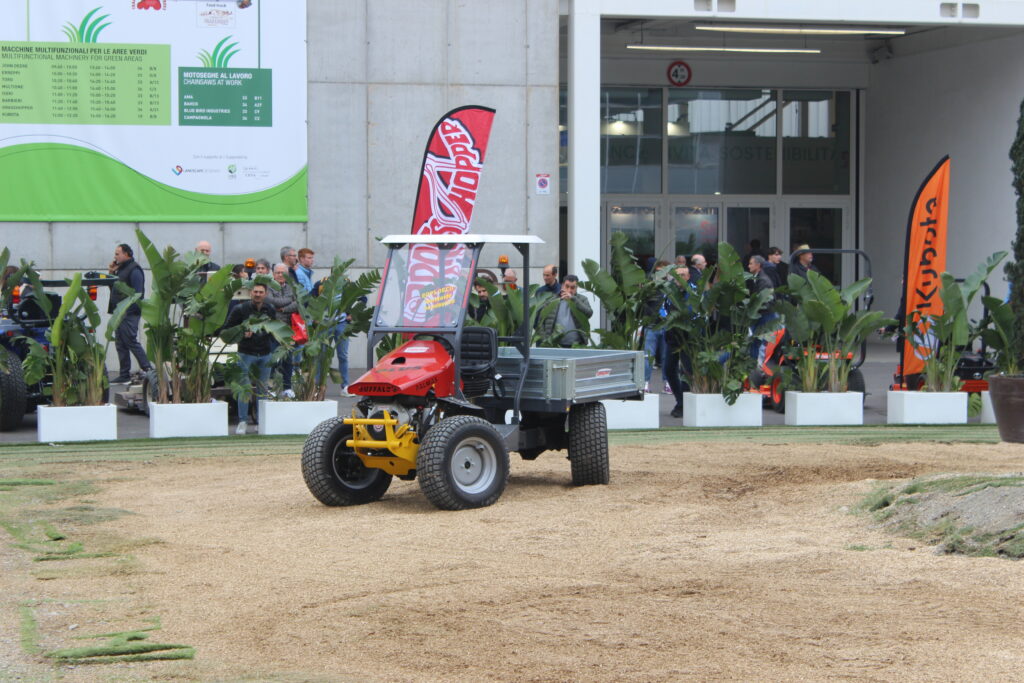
{"x": 413, "y": 369}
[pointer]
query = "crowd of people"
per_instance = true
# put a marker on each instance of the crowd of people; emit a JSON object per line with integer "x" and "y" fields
{"x": 555, "y": 324}
{"x": 664, "y": 347}
{"x": 255, "y": 348}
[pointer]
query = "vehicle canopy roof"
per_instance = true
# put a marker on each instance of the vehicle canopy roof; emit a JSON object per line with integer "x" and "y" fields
{"x": 468, "y": 238}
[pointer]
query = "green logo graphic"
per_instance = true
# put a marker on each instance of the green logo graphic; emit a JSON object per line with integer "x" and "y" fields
{"x": 232, "y": 169}
{"x": 221, "y": 55}
{"x": 86, "y": 32}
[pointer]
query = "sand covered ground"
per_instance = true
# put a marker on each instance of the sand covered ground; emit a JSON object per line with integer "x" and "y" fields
{"x": 701, "y": 561}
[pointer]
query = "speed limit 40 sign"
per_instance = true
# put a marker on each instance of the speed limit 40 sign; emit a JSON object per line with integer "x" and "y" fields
{"x": 679, "y": 74}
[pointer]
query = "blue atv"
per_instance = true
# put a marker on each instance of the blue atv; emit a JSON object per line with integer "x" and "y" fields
{"x": 23, "y": 319}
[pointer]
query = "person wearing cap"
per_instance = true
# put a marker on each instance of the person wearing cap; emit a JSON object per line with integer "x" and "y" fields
{"x": 802, "y": 261}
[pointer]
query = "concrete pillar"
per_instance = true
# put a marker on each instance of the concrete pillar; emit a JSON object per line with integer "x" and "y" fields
{"x": 584, "y": 197}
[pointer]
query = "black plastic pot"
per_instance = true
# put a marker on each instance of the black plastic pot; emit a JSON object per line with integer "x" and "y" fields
{"x": 1007, "y": 394}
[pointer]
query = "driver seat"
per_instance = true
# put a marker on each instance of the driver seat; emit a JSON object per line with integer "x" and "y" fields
{"x": 479, "y": 357}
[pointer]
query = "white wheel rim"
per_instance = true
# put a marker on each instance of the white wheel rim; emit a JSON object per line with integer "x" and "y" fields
{"x": 474, "y": 465}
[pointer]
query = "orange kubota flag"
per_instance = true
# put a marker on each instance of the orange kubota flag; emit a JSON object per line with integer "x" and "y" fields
{"x": 926, "y": 261}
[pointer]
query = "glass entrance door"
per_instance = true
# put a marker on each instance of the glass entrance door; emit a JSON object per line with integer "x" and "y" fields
{"x": 638, "y": 220}
{"x": 694, "y": 229}
{"x": 748, "y": 230}
{"x": 822, "y": 228}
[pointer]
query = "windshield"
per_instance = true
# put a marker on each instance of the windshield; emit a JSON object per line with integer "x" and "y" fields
{"x": 425, "y": 285}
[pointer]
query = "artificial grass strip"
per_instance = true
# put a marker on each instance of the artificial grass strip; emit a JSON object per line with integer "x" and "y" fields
{"x": 120, "y": 650}
{"x": 29, "y": 630}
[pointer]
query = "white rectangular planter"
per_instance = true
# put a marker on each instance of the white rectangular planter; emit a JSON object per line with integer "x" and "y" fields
{"x": 188, "y": 419}
{"x": 926, "y": 407}
{"x": 294, "y": 417}
{"x": 76, "y": 423}
{"x": 824, "y": 408}
{"x": 634, "y": 414}
{"x": 711, "y": 410}
{"x": 988, "y": 414}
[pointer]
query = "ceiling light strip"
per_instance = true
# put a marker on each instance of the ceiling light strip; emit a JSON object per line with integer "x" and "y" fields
{"x": 803, "y": 31}
{"x": 763, "y": 50}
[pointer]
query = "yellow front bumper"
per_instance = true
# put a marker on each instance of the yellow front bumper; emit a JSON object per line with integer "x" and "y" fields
{"x": 400, "y": 445}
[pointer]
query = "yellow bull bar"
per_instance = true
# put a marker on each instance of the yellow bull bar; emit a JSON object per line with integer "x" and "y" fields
{"x": 402, "y": 444}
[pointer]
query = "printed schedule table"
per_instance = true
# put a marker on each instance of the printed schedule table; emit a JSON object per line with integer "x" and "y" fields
{"x": 111, "y": 84}
{"x": 225, "y": 97}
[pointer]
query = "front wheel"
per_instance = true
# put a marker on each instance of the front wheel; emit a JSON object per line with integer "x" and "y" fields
{"x": 588, "y": 444}
{"x": 334, "y": 474}
{"x": 462, "y": 463}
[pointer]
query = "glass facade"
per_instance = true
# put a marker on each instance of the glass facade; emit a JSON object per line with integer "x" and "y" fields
{"x": 631, "y": 131}
{"x": 815, "y": 142}
{"x": 683, "y": 169}
{"x": 721, "y": 141}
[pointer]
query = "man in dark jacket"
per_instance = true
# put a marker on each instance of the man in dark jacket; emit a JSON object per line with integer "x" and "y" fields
{"x": 675, "y": 354}
{"x": 762, "y": 282}
{"x": 550, "y": 285}
{"x": 126, "y": 339}
{"x": 776, "y": 269}
{"x": 254, "y": 347}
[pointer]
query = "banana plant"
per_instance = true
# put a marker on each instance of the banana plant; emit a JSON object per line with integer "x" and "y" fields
{"x": 74, "y": 354}
{"x": 338, "y": 296}
{"x": 1000, "y": 335}
{"x": 181, "y": 315}
{"x": 942, "y": 337}
{"x": 505, "y": 313}
{"x": 10, "y": 277}
{"x": 825, "y": 329}
{"x": 711, "y": 323}
{"x": 623, "y": 291}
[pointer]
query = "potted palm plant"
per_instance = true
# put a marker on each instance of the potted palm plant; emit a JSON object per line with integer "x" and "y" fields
{"x": 940, "y": 338}
{"x": 182, "y": 315}
{"x": 713, "y": 324}
{"x": 624, "y": 291}
{"x": 337, "y": 298}
{"x": 825, "y": 328}
{"x": 74, "y": 357}
{"x": 1007, "y": 387}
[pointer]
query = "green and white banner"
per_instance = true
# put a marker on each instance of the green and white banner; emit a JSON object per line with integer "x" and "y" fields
{"x": 153, "y": 110}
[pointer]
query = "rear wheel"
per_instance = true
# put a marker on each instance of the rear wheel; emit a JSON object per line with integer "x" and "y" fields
{"x": 462, "y": 463}
{"x": 588, "y": 444}
{"x": 778, "y": 394}
{"x": 334, "y": 474}
{"x": 12, "y": 391}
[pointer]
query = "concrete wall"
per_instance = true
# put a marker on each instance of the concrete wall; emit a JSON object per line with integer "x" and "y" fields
{"x": 381, "y": 72}
{"x": 962, "y": 101}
